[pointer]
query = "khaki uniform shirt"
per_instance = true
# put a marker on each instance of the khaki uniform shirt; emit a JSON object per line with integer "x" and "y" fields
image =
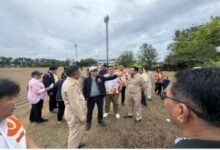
{"x": 135, "y": 84}
{"x": 73, "y": 98}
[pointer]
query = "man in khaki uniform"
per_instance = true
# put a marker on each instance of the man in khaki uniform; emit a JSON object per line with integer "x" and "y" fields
{"x": 74, "y": 103}
{"x": 135, "y": 85}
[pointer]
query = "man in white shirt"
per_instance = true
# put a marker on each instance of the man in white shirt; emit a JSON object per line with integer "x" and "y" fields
{"x": 112, "y": 93}
{"x": 12, "y": 133}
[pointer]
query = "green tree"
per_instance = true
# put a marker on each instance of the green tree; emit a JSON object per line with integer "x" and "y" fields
{"x": 147, "y": 55}
{"x": 196, "y": 46}
{"x": 126, "y": 59}
{"x": 87, "y": 62}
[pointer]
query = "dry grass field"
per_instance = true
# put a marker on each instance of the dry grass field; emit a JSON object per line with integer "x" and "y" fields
{"x": 152, "y": 132}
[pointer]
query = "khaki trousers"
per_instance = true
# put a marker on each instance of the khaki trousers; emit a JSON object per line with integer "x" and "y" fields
{"x": 149, "y": 91}
{"x": 111, "y": 98}
{"x": 134, "y": 105}
{"x": 76, "y": 129}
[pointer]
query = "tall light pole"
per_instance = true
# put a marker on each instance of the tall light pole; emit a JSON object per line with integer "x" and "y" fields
{"x": 76, "y": 52}
{"x": 106, "y": 20}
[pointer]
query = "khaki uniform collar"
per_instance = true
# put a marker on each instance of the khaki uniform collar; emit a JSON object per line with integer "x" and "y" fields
{"x": 72, "y": 80}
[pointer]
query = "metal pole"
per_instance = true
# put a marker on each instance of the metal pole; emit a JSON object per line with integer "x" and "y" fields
{"x": 76, "y": 51}
{"x": 107, "y": 42}
{"x": 106, "y": 20}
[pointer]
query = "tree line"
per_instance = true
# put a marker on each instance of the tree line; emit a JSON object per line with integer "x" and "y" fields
{"x": 42, "y": 62}
{"x": 196, "y": 46}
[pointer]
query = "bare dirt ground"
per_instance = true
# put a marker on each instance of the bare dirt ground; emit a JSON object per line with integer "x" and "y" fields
{"x": 152, "y": 132}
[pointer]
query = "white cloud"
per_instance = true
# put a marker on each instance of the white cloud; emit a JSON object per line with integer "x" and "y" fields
{"x": 50, "y": 28}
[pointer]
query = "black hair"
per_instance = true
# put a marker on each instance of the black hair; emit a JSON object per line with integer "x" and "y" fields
{"x": 51, "y": 68}
{"x": 71, "y": 70}
{"x": 201, "y": 89}
{"x": 8, "y": 88}
{"x": 135, "y": 68}
{"x": 104, "y": 65}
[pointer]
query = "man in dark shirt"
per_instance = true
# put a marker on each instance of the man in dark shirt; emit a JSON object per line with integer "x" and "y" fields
{"x": 94, "y": 92}
{"x": 48, "y": 79}
{"x": 103, "y": 70}
{"x": 193, "y": 104}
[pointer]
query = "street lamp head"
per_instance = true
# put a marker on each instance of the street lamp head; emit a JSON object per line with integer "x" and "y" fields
{"x": 106, "y": 18}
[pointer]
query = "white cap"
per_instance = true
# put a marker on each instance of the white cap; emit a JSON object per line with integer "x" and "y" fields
{"x": 92, "y": 68}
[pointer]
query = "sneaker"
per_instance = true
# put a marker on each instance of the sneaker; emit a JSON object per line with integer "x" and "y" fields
{"x": 117, "y": 116}
{"x": 168, "y": 120}
{"x": 59, "y": 122}
{"x": 105, "y": 115}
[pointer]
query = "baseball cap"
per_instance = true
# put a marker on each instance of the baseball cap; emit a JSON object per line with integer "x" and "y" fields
{"x": 92, "y": 68}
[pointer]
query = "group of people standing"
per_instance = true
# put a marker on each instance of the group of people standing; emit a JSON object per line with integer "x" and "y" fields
{"x": 102, "y": 88}
{"x": 99, "y": 88}
{"x": 39, "y": 88}
{"x": 191, "y": 101}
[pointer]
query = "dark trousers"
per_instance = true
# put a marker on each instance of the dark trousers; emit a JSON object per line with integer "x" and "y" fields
{"x": 52, "y": 102}
{"x": 123, "y": 95}
{"x": 158, "y": 88}
{"x": 143, "y": 99}
{"x": 36, "y": 112}
{"x": 61, "y": 108}
{"x": 90, "y": 106}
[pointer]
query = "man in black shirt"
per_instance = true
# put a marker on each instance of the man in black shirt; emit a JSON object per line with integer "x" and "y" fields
{"x": 103, "y": 70}
{"x": 48, "y": 79}
{"x": 94, "y": 92}
{"x": 193, "y": 104}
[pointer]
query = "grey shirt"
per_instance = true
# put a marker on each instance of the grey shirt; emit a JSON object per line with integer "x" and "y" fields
{"x": 95, "y": 89}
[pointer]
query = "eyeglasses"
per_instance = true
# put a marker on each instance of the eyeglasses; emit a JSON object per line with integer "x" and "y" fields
{"x": 164, "y": 96}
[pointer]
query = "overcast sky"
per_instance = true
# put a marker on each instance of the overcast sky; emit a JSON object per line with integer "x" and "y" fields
{"x": 50, "y": 28}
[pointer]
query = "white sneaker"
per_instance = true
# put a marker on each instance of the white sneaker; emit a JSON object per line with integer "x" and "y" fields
{"x": 117, "y": 116}
{"x": 168, "y": 120}
{"x": 105, "y": 115}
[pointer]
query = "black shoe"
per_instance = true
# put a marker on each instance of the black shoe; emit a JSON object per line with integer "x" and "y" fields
{"x": 88, "y": 126}
{"x": 42, "y": 121}
{"x": 137, "y": 121}
{"x": 128, "y": 116}
{"x": 103, "y": 124}
{"x": 144, "y": 106}
{"x": 53, "y": 111}
{"x": 82, "y": 145}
